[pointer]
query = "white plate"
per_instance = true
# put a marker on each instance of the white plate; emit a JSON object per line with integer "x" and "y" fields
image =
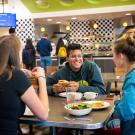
{"x": 78, "y": 95}
{"x": 105, "y": 104}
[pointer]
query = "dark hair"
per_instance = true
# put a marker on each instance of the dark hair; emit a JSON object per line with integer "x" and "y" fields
{"x": 45, "y": 35}
{"x": 128, "y": 28}
{"x": 126, "y": 46}
{"x": 9, "y": 55}
{"x": 73, "y": 46}
{"x": 11, "y": 30}
{"x": 29, "y": 44}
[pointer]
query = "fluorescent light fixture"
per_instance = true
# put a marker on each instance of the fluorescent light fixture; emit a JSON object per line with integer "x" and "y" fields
{"x": 49, "y": 20}
{"x": 58, "y": 22}
{"x": 128, "y": 14}
{"x": 73, "y": 18}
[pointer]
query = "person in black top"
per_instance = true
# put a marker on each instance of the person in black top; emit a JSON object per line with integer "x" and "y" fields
{"x": 29, "y": 55}
{"x": 16, "y": 90}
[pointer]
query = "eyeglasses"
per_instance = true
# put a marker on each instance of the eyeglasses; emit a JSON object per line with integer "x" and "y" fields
{"x": 76, "y": 56}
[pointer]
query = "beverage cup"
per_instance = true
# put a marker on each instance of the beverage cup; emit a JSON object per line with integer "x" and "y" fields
{"x": 70, "y": 96}
{"x": 90, "y": 95}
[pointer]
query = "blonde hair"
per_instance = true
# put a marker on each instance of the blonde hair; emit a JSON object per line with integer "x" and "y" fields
{"x": 9, "y": 55}
{"x": 126, "y": 45}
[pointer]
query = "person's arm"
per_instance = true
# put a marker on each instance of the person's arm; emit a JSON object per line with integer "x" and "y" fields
{"x": 51, "y": 80}
{"x": 125, "y": 107}
{"x": 95, "y": 81}
{"x": 38, "y": 103}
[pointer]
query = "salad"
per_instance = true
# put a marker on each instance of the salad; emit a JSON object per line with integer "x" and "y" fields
{"x": 79, "y": 106}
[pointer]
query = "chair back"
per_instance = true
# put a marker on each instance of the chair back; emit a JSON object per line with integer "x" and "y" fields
{"x": 34, "y": 82}
{"x": 119, "y": 71}
{"x": 51, "y": 70}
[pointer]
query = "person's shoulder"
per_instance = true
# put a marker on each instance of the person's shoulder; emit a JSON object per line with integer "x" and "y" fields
{"x": 89, "y": 64}
{"x": 17, "y": 71}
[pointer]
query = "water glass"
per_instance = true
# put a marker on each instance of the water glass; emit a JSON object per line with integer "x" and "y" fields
{"x": 70, "y": 96}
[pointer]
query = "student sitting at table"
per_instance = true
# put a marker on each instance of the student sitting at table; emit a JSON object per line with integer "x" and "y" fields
{"x": 16, "y": 90}
{"x": 81, "y": 76}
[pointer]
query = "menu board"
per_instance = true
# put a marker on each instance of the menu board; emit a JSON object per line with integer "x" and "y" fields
{"x": 7, "y": 20}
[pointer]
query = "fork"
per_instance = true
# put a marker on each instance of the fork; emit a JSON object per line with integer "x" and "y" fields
{"x": 85, "y": 119}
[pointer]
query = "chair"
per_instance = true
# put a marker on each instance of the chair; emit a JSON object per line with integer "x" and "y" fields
{"x": 51, "y": 70}
{"x": 108, "y": 87}
{"x": 119, "y": 72}
{"x": 34, "y": 82}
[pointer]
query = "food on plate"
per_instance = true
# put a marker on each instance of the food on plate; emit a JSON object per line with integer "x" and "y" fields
{"x": 97, "y": 104}
{"x": 79, "y": 106}
{"x": 64, "y": 83}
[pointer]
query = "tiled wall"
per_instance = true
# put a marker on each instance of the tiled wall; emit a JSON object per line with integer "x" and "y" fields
{"x": 104, "y": 32}
{"x": 25, "y": 29}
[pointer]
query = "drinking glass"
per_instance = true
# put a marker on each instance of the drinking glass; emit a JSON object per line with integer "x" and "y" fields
{"x": 70, "y": 96}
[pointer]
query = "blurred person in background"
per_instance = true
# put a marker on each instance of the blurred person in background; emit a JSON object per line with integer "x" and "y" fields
{"x": 20, "y": 46}
{"x": 16, "y": 90}
{"x": 29, "y": 55}
{"x": 44, "y": 49}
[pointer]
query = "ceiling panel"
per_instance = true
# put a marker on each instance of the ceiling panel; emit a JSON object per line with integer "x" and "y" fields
{"x": 52, "y": 6}
{"x": 39, "y": 6}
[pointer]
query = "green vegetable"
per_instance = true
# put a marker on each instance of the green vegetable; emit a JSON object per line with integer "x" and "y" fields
{"x": 79, "y": 106}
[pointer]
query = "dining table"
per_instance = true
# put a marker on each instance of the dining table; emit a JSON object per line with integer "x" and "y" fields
{"x": 59, "y": 117}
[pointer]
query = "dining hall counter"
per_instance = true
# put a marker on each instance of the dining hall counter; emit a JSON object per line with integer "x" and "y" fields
{"x": 98, "y": 118}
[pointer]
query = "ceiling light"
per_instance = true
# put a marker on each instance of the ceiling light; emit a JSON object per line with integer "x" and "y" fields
{"x": 94, "y": 1}
{"x": 42, "y": 29}
{"x": 95, "y": 26}
{"x": 42, "y": 3}
{"x": 66, "y": 2}
{"x": 128, "y": 14}
{"x": 58, "y": 22}
{"x": 73, "y": 18}
{"x": 67, "y": 27}
{"x": 123, "y": 0}
{"x": 49, "y": 20}
{"x": 124, "y": 24}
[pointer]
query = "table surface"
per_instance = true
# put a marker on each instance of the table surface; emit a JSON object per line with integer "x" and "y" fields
{"x": 98, "y": 118}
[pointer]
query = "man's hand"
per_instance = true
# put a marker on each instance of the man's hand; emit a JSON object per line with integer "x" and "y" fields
{"x": 57, "y": 88}
{"x": 73, "y": 86}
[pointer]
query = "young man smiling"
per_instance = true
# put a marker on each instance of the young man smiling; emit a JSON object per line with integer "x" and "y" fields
{"x": 83, "y": 76}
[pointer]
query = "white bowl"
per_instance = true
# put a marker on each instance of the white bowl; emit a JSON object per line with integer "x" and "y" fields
{"x": 77, "y": 112}
{"x": 78, "y": 96}
{"x": 90, "y": 95}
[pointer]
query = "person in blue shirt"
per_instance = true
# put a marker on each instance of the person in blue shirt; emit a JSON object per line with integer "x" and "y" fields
{"x": 44, "y": 49}
{"x": 124, "y": 57}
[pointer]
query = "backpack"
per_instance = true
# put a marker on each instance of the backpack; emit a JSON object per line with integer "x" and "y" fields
{"x": 62, "y": 52}
{"x": 26, "y": 56}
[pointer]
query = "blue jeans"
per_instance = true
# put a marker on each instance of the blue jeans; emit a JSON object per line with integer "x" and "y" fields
{"x": 45, "y": 61}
